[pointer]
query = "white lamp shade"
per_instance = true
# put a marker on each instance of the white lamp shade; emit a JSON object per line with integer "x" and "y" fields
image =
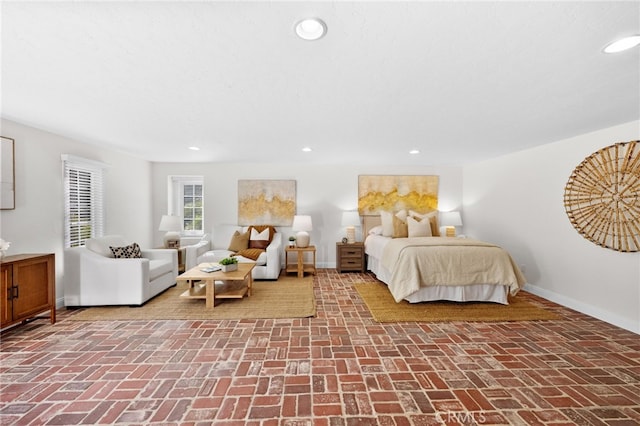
{"x": 173, "y": 226}
{"x": 350, "y": 218}
{"x": 170, "y": 223}
{"x": 302, "y": 224}
{"x": 451, "y": 219}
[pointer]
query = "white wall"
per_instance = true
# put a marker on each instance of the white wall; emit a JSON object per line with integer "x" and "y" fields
{"x": 322, "y": 191}
{"x": 516, "y": 201}
{"x": 37, "y": 223}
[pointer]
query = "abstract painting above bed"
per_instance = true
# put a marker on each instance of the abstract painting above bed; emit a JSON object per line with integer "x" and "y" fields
{"x": 393, "y": 193}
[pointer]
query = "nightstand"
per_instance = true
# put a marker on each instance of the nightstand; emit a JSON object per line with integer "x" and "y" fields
{"x": 300, "y": 266}
{"x": 350, "y": 257}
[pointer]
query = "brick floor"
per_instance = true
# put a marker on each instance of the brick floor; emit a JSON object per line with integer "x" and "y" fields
{"x": 340, "y": 368}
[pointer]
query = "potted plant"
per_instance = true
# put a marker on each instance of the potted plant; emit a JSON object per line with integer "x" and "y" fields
{"x": 292, "y": 241}
{"x": 229, "y": 264}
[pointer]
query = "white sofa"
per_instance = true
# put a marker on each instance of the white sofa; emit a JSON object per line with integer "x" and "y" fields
{"x": 214, "y": 247}
{"x": 93, "y": 277}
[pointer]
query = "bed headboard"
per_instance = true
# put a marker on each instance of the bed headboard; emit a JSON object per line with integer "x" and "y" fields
{"x": 368, "y": 222}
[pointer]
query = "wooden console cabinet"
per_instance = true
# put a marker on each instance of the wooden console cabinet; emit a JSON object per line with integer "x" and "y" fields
{"x": 28, "y": 287}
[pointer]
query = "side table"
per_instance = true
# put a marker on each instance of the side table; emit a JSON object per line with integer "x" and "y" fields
{"x": 350, "y": 257}
{"x": 300, "y": 266}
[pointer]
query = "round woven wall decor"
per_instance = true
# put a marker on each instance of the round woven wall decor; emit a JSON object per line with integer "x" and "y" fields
{"x": 602, "y": 197}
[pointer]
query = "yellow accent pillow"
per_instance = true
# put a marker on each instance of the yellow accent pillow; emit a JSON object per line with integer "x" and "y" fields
{"x": 239, "y": 241}
{"x": 386, "y": 219}
{"x": 400, "y": 229}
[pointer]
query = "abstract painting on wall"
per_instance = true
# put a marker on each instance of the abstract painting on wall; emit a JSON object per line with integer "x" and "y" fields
{"x": 393, "y": 193}
{"x": 266, "y": 202}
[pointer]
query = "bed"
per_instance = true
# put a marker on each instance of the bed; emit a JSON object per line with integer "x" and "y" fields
{"x": 428, "y": 268}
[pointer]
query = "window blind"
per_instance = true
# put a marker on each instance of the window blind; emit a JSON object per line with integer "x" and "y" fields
{"x": 84, "y": 200}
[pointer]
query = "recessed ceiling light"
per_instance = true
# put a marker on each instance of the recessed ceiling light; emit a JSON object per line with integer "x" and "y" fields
{"x": 194, "y": 148}
{"x": 306, "y": 149}
{"x": 623, "y": 44}
{"x": 414, "y": 151}
{"x": 311, "y": 29}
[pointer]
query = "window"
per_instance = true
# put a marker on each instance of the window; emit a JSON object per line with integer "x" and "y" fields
{"x": 83, "y": 200}
{"x": 186, "y": 199}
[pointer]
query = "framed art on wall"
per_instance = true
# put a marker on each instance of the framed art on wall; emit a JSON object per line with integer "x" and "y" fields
{"x": 266, "y": 202}
{"x": 394, "y": 193}
{"x": 7, "y": 174}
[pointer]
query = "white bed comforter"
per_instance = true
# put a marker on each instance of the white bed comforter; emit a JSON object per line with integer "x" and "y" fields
{"x": 431, "y": 261}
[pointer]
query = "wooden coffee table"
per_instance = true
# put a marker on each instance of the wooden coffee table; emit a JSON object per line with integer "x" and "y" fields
{"x": 217, "y": 285}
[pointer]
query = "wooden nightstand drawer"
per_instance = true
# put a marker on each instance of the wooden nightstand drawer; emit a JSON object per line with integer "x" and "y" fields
{"x": 350, "y": 257}
{"x": 351, "y": 252}
{"x": 350, "y": 263}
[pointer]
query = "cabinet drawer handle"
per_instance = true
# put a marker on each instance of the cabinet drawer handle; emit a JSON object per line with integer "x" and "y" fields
{"x": 15, "y": 291}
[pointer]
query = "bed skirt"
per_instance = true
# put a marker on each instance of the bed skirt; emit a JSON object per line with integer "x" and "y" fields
{"x": 464, "y": 293}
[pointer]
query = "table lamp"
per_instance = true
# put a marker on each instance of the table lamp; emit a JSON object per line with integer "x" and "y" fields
{"x": 351, "y": 219}
{"x": 173, "y": 226}
{"x": 302, "y": 224}
{"x": 450, "y": 220}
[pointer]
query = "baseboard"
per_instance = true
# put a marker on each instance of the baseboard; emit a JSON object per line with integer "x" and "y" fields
{"x": 584, "y": 308}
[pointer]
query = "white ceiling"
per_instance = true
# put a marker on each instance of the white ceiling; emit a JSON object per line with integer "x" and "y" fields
{"x": 461, "y": 81}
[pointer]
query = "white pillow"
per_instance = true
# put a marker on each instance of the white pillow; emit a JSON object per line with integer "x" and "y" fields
{"x": 255, "y": 235}
{"x": 433, "y": 220}
{"x": 423, "y": 215}
{"x": 376, "y": 230}
{"x": 387, "y": 221}
{"x": 418, "y": 228}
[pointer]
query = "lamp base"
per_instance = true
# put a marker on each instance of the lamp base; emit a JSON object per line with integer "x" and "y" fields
{"x": 302, "y": 239}
{"x": 351, "y": 234}
{"x": 451, "y": 231}
{"x": 172, "y": 240}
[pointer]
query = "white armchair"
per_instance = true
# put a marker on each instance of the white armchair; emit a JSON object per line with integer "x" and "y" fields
{"x": 93, "y": 277}
{"x": 268, "y": 265}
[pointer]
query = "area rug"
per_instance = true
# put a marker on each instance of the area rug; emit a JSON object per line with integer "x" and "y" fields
{"x": 288, "y": 297}
{"x": 384, "y": 308}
